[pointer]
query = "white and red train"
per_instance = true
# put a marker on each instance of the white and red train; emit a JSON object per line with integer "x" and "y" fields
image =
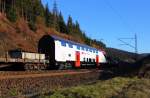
{"x": 65, "y": 53}
{"x": 57, "y": 53}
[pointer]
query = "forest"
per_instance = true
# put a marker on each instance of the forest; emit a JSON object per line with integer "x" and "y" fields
{"x": 30, "y": 10}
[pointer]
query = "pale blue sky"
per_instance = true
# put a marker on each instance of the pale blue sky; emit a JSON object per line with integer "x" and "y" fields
{"x": 108, "y": 20}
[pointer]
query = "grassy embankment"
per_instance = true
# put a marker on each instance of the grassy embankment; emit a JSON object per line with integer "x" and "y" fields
{"x": 114, "y": 88}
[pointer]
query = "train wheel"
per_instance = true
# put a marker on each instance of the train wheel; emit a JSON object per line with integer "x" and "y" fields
{"x": 61, "y": 66}
{"x": 69, "y": 66}
{"x": 26, "y": 67}
{"x": 42, "y": 67}
{"x": 31, "y": 67}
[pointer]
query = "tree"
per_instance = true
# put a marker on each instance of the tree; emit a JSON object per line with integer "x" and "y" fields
{"x": 77, "y": 28}
{"x": 11, "y": 14}
{"x": 38, "y": 8}
{"x": 32, "y": 25}
{"x": 70, "y": 25}
{"x": 2, "y": 6}
{"x": 48, "y": 17}
{"x": 62, "y": 25}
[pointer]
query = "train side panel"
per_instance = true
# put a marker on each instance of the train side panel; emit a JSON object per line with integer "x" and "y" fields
{"x": 63, "y": 53}
{"x": 68, "y": 52}
{"x": 102, "y": 58}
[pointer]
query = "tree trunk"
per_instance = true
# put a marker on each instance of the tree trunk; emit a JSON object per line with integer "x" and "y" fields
{"x": 0, "y": 5}
{"x": 4, "y": 9}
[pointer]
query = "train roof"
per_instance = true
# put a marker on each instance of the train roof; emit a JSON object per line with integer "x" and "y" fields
{"x": 71, "y": 42}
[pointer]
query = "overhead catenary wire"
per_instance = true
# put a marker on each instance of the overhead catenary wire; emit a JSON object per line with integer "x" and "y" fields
{"x": 114, "y": 10}
{"x": 125, "y": 24}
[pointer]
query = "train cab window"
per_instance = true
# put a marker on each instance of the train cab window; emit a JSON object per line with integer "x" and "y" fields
{"x": 63, "y": 43}
{"x": 70, "y": 45}
{"x": 78, "y": 47}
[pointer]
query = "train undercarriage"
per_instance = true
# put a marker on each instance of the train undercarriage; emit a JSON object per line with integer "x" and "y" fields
{"x": 26, "y": 65}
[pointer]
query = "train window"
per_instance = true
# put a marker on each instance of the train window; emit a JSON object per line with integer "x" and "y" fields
{"x": 63, "y": 43}
{"x": 90, "y": 60}
{"x": 93, "y": 60}
{"x": 78, "y": 47}
{"x": 82, "y": 48}
{"x": 86, "y": 49}
{"x": 87, "y": 59}
{"x": 84, "y": 59}
{"x": 96, "y": 51}
{"x": 93, "y": 51}
{"x": 90, "y": 50}
{"x": 70, "y": 46}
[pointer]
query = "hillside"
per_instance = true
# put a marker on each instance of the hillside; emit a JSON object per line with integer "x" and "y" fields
{"x": 121, "y": 55}
{"x": 23, "y": 23}
{"x": 19, "y": 35}
{"x": 23, "y": 31}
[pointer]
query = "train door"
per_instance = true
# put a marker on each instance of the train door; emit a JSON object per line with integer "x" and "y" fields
{"x": 77, "y": 62}
{"x": 97, "y": 60}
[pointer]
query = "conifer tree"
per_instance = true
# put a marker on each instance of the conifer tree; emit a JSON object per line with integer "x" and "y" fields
{"x": 2, "y": 6}
{"x": 70, "y": 25}
{"x": 38, "y": 7}
{"x": 62, "y": 25}
{"x": 47, "y": 16}
{"x": 77, "y": 28}
{"x": 11, "y": 14}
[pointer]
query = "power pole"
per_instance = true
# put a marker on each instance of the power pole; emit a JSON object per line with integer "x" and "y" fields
{"x": 55, "y": 14}
{"x": 135, "y": 46}
{"x": 55, "y": 9}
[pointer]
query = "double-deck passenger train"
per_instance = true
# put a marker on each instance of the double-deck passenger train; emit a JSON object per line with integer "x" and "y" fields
{"x": 65, "y": 53}
{"x": 57, "y": 53}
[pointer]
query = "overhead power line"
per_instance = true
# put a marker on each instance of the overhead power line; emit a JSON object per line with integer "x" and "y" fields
{"x": 135, "y": 46}
{"x": 118, "y": 14}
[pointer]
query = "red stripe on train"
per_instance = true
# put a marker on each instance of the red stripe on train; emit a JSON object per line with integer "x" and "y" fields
{"x": 77, "y": 62}
{"x": 97, "y": 60}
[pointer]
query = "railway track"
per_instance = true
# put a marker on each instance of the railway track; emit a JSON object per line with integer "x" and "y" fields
{"x": 34, "y": 74}
{"x": 35, "y": 82}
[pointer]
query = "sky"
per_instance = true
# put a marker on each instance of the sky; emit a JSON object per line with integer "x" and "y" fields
{"x": 109, "y": 20}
